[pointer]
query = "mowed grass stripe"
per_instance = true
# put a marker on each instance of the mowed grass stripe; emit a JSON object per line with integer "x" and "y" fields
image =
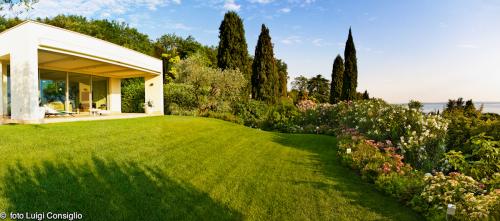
{"x": 182, "y": 168}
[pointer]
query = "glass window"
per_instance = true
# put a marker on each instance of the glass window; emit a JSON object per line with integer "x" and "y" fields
{"x": 79, "y": 92}
{"x": 53, "y": 89}
{"x": 100, "y": 92}
{"x": 8, "y": 91}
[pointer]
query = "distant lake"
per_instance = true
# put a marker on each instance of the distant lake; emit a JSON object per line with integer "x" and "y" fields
{"x": 488, "y": 107}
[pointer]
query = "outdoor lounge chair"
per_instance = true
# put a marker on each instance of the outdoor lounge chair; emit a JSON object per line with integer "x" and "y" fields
{"x": 52, "y": 112}
{"x": 99, "y": 112}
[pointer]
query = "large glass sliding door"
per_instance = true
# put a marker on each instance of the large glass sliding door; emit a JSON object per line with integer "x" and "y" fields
{"x": 8, "y": 91}
{"x": 73, "y": 92}
{"x": 99, "y": 93}
{"x": 53, "y": 89}
{"x": 79, "y": 92}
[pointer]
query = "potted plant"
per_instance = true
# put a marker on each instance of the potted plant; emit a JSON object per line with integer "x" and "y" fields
{"x": 148, "y": 107}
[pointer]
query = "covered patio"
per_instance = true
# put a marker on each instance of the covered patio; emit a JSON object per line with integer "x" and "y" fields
{"x": 74, "y": 76}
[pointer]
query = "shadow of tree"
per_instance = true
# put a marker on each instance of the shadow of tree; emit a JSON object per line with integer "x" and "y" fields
{"x": 346, "y": 181}
{"x": 107, "y": 190}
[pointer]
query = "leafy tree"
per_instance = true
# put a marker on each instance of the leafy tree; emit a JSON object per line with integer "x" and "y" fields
{"x": 299, "y": 84}
{"x": 319, "y": 88}
{"x": 417, "y": 105}
{"x": 350, "y": 82}
{"x": 233, "y": 50}
{"x": 214, "y": 89}
{"x": 283, "y": 77}
{"x": 112, "y": 31}
{"x": 184, "y": 47}
{"x": 169, "y": 60}
{"x": 337, "y": 80}
{"x": 27, "y": 4}
{"x": 6, "y": 23}
{"x": 265, "y": 80}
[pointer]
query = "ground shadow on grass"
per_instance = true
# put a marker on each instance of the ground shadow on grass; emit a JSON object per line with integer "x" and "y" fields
{"x": 346, "y": 181}
{"x": 108, "y": 190}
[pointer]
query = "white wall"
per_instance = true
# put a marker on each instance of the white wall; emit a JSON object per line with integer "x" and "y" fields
{"x": 3, "y": 89}
{"x": 24, "y": 79}
{"x": 154, "y": 92}
{"x": 115, "y": 95}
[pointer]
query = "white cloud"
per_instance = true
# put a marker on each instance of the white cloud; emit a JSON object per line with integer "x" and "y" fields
{"x": 285, "y": 10}
{"x": 261, "y": 1}
{"x": 372, "y": 19}
{"x": 181, "y": 26}
{"x": 104, "y": 8}
{"x": 319, "y": 42}
{"x": 231, "y": 5}
{"x": 292, "y": 40}
{"x": 301, "y": 3}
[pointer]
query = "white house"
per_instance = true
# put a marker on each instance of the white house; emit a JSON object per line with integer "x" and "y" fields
{"x": 45, "y": 66}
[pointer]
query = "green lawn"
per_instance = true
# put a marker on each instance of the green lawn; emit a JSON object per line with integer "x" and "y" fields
{"x": 182, "y": 168}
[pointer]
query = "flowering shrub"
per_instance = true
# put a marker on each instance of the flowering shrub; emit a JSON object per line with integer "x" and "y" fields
{"x": 371, "y": 158}
{"x": 419, "y": 137}
{"x": 305, "y": 105}
{"x": 470, "y": 197}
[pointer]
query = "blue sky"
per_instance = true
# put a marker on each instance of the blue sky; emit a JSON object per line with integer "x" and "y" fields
{"x": 429, "y": 50}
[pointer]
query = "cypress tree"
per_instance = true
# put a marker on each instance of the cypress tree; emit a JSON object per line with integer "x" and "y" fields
{"x": 282, "y": 69}
{"x": 265, "y": 80}
{"x": 337, "y": 80}
{"x": 366, "y": 96}
{"x": 233, "y": 51}
{"x": 351, "y": 70}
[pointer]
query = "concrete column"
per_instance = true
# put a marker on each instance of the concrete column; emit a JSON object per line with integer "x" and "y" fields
{"x": 115, "y": 95}
{"x": 154, "y": 93}
{"x": 3, "y": 89}
{"x": 24, "y": 82}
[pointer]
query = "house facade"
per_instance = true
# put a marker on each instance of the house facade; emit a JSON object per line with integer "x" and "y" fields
{"x": 45, "y": 66}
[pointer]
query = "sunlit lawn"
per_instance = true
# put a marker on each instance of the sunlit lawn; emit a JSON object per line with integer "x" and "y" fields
{"x": 181, "y": 168}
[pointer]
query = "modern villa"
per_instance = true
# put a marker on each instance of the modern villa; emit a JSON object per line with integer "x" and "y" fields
{"x": 46, "y": 67}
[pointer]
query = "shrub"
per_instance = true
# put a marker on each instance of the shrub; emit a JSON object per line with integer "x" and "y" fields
{"x": 404, "y": 187}
{"x": 281, "y": 116}
{"x": 486, "y": 156}
{"x": 133, "y": 95}
{"x": 213, "y": 90}
{"x": 417, "y": 105}
{"x": 472, "y": 201}
{"x": 305, "y": 105}
{"x": 179, "y": 97}
{"x": 252, "y": 112}
{"x": 224, "y": 116}
{"x": 454, "y": 161}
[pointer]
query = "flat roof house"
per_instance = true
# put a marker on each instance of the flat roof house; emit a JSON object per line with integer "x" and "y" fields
{"x": 45, "y": 66}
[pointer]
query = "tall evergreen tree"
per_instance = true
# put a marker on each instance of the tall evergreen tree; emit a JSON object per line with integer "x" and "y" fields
{"x": 282, "y": 69}
{"x": 233, "y": 51}
{"x": 366, "y": 96}
{"x": 351, "y": 70}
{"x": 265, "y": 80}
{"x": 337, "y": 80}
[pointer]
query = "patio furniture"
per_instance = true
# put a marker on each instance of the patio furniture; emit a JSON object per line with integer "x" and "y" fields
{"x": 52, "y": 112}
{"x": 99, "y": 112}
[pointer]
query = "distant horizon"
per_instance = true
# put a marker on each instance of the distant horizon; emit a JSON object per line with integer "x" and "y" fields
{"x": 444, "y": 102}
{"x": 422, "y": 50}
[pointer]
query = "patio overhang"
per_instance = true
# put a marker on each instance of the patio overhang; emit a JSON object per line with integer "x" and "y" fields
{"x": 56, "y": 59}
